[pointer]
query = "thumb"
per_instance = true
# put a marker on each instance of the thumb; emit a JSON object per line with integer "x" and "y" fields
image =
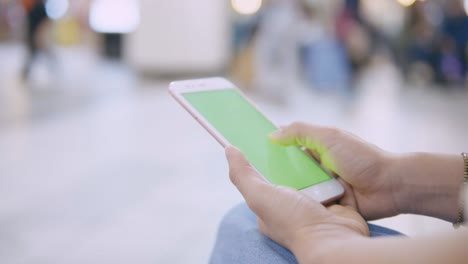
{"x": 301, "y": 134}
{"x": 241, "y": 172}
{"x": 309, "y": 136}
{"x": 250, "y": 184}
{"x": 317, "y": 139}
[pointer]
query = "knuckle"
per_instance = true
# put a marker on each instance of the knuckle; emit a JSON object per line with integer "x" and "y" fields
{"x": 298, "y": 126}
{"x": 333, "y": 132}
{"x": 249, "y": 170}
{"x": 234, "y": 175}
{"x": 299, "y": 129}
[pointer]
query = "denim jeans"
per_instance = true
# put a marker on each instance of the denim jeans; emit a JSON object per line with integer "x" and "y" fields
{"x": 239, "y": 240}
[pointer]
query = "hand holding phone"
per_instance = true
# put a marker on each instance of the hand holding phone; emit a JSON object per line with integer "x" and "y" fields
{"x": 233, "y": 120}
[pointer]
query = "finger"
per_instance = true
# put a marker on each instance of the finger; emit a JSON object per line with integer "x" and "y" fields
{"x": 313, "y": 154}
{"x": 356, "y": 221}
{"x": 309, "y": 136}
{"x": 255, "y": 190}
{"x": 317, "y": 139}
{"x": 348, "y": 199}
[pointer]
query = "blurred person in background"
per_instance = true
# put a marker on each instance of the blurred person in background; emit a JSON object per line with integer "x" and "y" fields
{"x": 37, "y": 18}
{"x": 13, "y": 12}
{"x": 326, "y": 65}
{"x": 276, "y": 45}
{"x": 433, "y": 50}
{"x": 3, "y": 18}
{"x": 453, "y": 47}
{"x": 353, "y": 32}
{"x": 243, "y": 43}
{"x": 450, "y": 65}
{"x": 419, "y": 39}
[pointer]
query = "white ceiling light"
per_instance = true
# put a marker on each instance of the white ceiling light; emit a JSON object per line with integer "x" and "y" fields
{"x": 246, "y": 7}
{"x": 114, "y": 16}
{"x": 406, "y": 3}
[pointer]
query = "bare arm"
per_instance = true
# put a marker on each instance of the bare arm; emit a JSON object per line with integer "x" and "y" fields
{"x": 443, "y": 248}
{"x": 338, "y": 234}
{"x": 429, "y": 184}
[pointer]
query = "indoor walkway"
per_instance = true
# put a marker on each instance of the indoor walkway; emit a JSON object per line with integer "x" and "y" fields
{"x": 98, "y": 166}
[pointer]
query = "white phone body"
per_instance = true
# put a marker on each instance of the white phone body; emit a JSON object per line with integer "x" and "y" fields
{"x": 323, "y": 192}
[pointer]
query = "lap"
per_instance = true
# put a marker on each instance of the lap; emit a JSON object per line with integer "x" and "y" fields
{"x": 239, "y": 240}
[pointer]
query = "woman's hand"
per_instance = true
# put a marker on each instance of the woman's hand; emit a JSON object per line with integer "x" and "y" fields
{"x": 289, "y": 217}
{"x": 364, "y": 169}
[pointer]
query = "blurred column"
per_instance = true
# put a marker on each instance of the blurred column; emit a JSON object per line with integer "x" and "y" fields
{"x": 181, "y": 36}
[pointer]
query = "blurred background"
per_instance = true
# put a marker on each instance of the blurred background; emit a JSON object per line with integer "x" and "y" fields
{"x": 99, "y": 165}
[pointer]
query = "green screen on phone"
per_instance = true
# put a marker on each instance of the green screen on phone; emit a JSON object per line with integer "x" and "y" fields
{"x": 247, "y": 129}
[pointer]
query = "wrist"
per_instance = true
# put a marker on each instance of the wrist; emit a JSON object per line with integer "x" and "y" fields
{"x": 394, "y": 165}
{"x": 326, "y": 249}
{"x": 392, "y": 182}
{"x": 427, "y": 184}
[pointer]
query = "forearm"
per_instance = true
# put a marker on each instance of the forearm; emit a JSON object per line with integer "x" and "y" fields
{"x": 445, "y": 248}
{"x": 429, "y": 184}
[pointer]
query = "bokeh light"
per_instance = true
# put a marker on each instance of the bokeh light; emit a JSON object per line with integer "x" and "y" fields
{"x": 114, "y": 16}
{"x": 56, "y": 9}
{"x": 246, "y": 7}
{"x": 406, "y": 3}
{"x": 465, "y": 3}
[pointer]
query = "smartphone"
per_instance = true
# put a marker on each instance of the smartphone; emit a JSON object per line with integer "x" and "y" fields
{"x": 232, "y": 119}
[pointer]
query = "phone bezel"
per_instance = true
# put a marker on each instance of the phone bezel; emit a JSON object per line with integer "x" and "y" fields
{"x": 323, "y": 192}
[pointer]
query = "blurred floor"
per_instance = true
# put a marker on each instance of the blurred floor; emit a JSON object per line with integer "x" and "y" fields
{"x": 97, "y": 166}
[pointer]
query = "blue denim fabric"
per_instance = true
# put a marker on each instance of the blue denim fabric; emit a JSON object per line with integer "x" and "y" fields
{"x": 239, "y": 240}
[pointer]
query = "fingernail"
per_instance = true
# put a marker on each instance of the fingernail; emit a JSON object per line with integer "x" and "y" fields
{"x": 277, "y": 134}
{"x": 230, "y": 151}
